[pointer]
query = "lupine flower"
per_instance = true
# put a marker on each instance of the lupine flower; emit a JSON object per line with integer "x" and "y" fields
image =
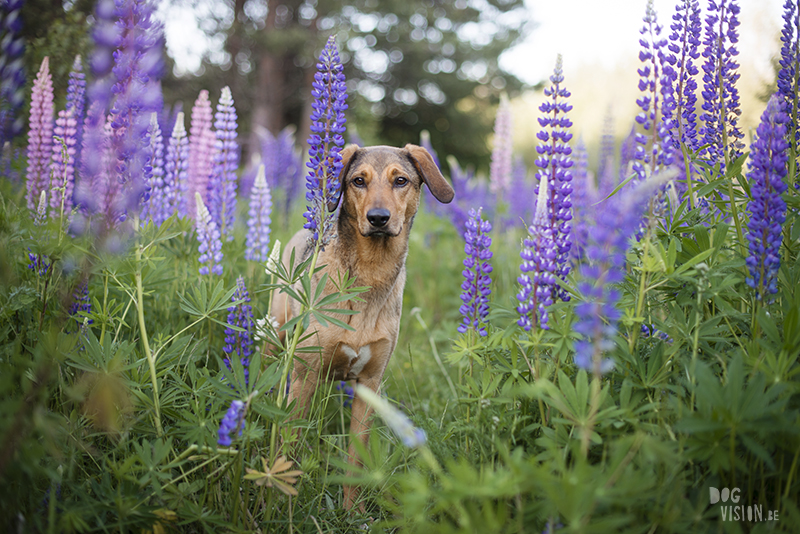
{"x": 425, "y": 142}
{"x": 201, "y": 152}
{"x": 520, "y": 208}
{"x": 349, "y": 393}
{"x": 789, "y": 73}
{"x": 222, "y": 184}
{"x": 500, "y": 170}
{"x": 40, "y": 135}
{"x": 41, "y": 210}
{"x": 172, "y": 197}
{"x": 233, "y": 420}
{"x": 626, "y": 151}
{"x": 107, "y": 188}
{"x": 468, "y": 192}
{"x": 137, "y": 69}
{"x": 39, "y": 263}
{"x": 283, "y": 165}
{"x": 62, "y": 181}
{"x": 76, "y": 101}
{"x": 325, "y": 142}
{"x": 654, "y": 148}
{"x": 259, "y": 221}
{"x": 554, "y": 164}
{"x": 81, "y": 303}
{"x": 539, "y": 254}
{"x": 12, "y": 71}
{"x": 476, "y": 286}
{"x": 153, "y": 209}
{"x": 584, "y": 194}
{"x": 649, "y": 330}
{"x": 402, "y": 427}
{"x": 767, "y": 166}
{"x": 210, "y": 243}
{"x": 607, "y": 178}
{"x": 721, "y": 109}
{"x": 240, "y": 343}
{"x": 608, "y": 239}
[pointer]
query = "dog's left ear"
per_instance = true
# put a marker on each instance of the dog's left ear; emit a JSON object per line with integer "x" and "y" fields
{"x": 430, "y": 173}
{"x": 348, "y": 154}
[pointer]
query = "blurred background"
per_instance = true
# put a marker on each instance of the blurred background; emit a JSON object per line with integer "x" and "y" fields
{"x": 411, "y": 65}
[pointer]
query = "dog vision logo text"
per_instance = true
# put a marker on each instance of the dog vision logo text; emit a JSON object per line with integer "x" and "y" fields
{"x": 731, "y": 510}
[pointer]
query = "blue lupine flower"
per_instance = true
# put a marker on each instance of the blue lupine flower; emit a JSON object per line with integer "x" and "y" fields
{"x": 468, "y": 192}
{"x": 12, "y": 71}
{"x": 767, "y": 166}
{"x": 259, "y": 219}
{"x": 325, "y": 142}
{"x": 604, "y": 268}
{"x": 222, "y": 184}
{"x": 138, "y": 66}
{"x": 584, "y": 194}
{"x": 154, "y": 172}
{"x": 554, "y": 164}
{"x": 81, "y": 303}
{"x": 476, "y": 286}
{"x": 396, "y": 420}
{"x": 349, "y": 393}
{"x": 539, "y": 254}
{"x": 240, "y": 343}
{"x": 626, "y": 152}
{"x": 654, "y": 148}
{"x": 520, "y": 207}
{"x": 233, "y": 420}
{"x": 172, "y": 195}
{"x": 210, "y": 243}
{"x": 721, "y": 109}
{"x": 607, "y": 177}
{"x": 76, "y": 101}
{"x": 789, "y": 73}
{"x": 39, "y": 263}
{"x": 283, "y": 166}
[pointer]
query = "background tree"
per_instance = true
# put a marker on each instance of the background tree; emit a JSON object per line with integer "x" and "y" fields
{"x": 410, "y": 65}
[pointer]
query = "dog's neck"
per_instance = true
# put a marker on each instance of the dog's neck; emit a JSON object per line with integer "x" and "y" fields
{"x": 375, "y": 261}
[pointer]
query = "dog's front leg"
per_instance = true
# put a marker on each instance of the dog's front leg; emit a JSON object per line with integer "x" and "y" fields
{"x": 360, "y": 424}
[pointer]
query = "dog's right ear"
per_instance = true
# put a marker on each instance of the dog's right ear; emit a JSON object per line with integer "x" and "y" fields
{"x": 430, "y": 173}
{"x": 348, "y": 155}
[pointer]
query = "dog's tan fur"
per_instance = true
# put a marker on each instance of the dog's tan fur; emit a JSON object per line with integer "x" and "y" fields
{"x": 371, "y": 179}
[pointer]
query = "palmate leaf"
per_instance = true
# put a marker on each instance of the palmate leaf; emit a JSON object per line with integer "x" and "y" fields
{"x": 278, "y": 476}
{"x": 200, "y": 304}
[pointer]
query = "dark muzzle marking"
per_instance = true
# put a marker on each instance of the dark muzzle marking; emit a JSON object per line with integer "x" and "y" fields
{"x": 378, "y": 217}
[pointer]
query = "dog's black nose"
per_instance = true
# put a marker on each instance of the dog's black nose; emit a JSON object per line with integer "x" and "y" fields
{"x": 378, "y": 217}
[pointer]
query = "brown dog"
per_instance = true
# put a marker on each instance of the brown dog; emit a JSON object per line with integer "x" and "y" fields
{"x": 380, "y": 196}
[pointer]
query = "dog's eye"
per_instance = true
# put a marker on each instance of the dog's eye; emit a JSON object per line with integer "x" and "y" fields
{"x": 358, "y": 181}
{"x": 400, "y": 181}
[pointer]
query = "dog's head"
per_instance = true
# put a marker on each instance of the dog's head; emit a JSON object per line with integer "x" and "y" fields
{"x": 381, "y": 187}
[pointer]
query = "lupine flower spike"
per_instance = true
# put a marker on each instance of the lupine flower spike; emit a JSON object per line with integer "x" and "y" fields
{"x": 76, "y": 101}
{"x": 201, "y": 152}
{"x": 325, "y": 142}
{"x": 236, "y": 342}
{"x": 402, "y": 427}
{"x": 210, "y": 242}
{"x": 152, "y": 209}
{"x": 233, "y": 421}
{"x": 222, "y": 185}
{"x": 476, "y": 287}
{"x": 172, "y": 196}
{"x": 12, "y": 70}
{"x": 40, "y": 135}
{"x": 500, "y": 171}
{"x": 62, "y": 180}
{"x": 768, "y": 164}
{"x": 789, "y": 78}
{"x": 539, "y": 254}
{"x": 554, "y": 164}
{"x": 259, "y": 219}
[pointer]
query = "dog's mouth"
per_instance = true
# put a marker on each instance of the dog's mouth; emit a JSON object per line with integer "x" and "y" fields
{"x": 379, "y": 232}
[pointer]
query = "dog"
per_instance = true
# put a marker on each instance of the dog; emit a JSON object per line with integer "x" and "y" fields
{"x": 380, "y": 192}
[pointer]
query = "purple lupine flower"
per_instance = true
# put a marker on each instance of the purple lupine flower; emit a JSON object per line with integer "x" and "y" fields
{"x": 654, "y": 149}
{"x": 720, "y": 97}
{"x": 283, "y": 165}
{"x": 258, "y": 221}
{"x": 539, "y": 254}
{"x": 138, "y": 66}
{"x": 469, "y": 191}
{"x": 62, "y": 180}
{"x": 325, "y": 142}
{"x": 40, "y": 135}
{"x": 584, "y": 194}
{"x": 201, "y": 152}
{"x": 210, "y": 242}
{"x": 607, "y": 178}
{"x": 500, "y": 170}
{"x": 76, "y": 101}
{"x": 767, "y": 166}
{"x": 12, "y": 71}
{"x": 349, "y": 393}
{"x": 107, "y": 188}
{"x": 680, "y": 71}
{"x": 554, "y": 164}
{"x": 476, "y": 286}
{"x": 240, "y": 343}
{"x": 626, "y": 151}
{"x": 80, "y": 303}
{"x": 170, "y": 197}
{"x": 520, "y": 208}
{"x": 154, "y": 172}
{"x": 604, "y": 267}
{"x": 789, "y": 73}
{"x": 107, "y": 37}
{"x": 39, "y": 263}
{"x": 425, "y": 142}
{"x": 233, "y": 420}
{"x": 222, "y": 183}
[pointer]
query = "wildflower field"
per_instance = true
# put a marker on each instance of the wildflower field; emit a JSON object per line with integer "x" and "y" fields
{"x": 610, "y": 349}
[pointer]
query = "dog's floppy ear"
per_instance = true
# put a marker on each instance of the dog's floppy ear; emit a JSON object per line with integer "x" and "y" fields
{"x": 430, "y": 173}
{"x": 347, "y": 157}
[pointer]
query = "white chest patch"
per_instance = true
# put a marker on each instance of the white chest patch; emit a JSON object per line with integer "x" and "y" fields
{"x": 357, "y": 359}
